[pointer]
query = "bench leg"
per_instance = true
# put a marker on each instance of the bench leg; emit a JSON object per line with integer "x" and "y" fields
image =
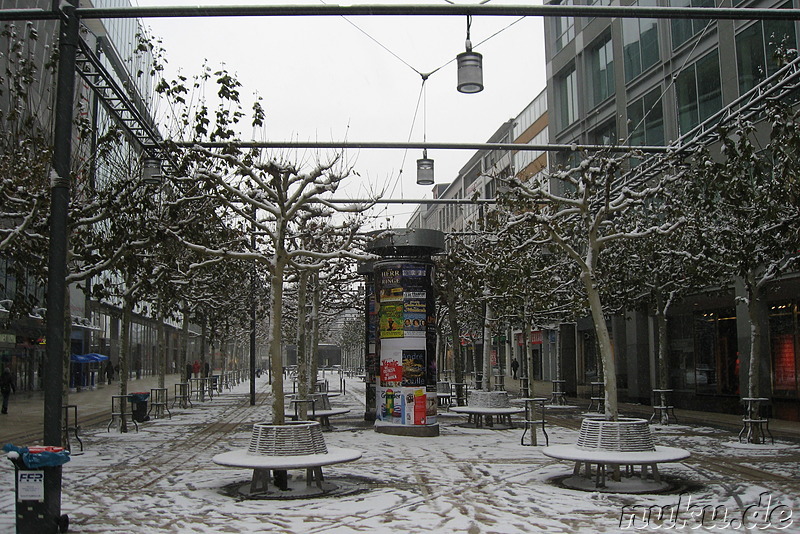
{"x": 314, "y": 475}
{"x": 656, "y": 474}
{"x": 260, "y": 481}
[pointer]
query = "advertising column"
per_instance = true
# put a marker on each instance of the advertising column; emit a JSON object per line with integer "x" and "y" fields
{"x": 371, "y": 367}
{"x": 406, "y": 348}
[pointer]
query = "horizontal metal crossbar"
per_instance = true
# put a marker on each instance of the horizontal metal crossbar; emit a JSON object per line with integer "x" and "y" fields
{"x": 288, "y": 10}
{"x": 426, "y": 145}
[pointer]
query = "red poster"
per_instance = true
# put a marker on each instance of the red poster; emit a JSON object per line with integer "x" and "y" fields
{"x": 391, "y": 371}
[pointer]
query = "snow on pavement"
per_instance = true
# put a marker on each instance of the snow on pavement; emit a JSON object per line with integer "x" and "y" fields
{"x": 469, "y": 480}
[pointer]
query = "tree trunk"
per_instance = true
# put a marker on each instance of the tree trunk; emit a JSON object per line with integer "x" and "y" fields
{"x": 203, "y": 357}
{"x": 604, "y": 342}
{"x": 526, "y": 342}
{"x": 509, "y": 349}
{"x": 185, "y": 341}
{"x": 124, "y": 351}
{"x": 314, "y": 348}
{"x": 161, "y": 350}
{"x": 276, "y": 314}
{"x": 302, "y": 361}
{"x": 661, "y": 322}
{"x": 754, "y": 368}
{"x": 458, "y": 355}
{"x": 487, "y": 348}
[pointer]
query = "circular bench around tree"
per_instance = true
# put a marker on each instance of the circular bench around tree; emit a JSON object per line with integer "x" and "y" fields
{"x": 486, "y": 405}
{"x": 627, "y": 442}
{"x": 279, "y": 448}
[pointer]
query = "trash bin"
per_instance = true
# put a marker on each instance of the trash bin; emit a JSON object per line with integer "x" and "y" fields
{"x": 139, "y": 406}
{"x": 479, "y": 381}
{"x": 37, "y": 472}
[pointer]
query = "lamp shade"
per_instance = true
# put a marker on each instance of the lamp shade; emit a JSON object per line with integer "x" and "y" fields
{"x": 425, "y": 171}
{"x": 151, "y": 171}
{"x": 470, "y": 72}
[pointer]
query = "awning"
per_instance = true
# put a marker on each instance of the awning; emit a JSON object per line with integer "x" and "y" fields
{"x": 88, "y": 358}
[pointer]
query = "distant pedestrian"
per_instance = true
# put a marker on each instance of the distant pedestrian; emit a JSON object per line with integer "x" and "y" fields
{"x": 188, "y": 371}
{"x": 206, "y": 370}
{"x": 109, "y": 371}
{"x": 6, "y": 387}
{"x": 196, "y": 369}
{"x": 514, "y": 368}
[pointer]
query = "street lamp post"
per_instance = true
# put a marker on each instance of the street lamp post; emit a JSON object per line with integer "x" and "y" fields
{"x": 57, "y": 256}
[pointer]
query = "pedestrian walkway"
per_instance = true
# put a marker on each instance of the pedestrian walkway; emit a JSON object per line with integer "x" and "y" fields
{"x": 24, "y": 422}
{"x": 476, "y": 480}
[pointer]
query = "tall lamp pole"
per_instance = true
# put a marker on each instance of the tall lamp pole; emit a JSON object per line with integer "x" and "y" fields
{"x": 57, "y": 260}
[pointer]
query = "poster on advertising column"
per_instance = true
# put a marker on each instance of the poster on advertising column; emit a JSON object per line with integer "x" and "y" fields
{"x": 407, "y": 362}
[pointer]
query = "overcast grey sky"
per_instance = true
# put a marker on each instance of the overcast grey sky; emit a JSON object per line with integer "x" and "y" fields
{"x": 322, "y": 78}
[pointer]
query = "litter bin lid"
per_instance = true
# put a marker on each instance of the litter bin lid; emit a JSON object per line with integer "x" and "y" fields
{"x": 139, "y": 397}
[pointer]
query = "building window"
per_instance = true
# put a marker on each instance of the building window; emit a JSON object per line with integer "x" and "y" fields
{"x": 564, "y": 27}
{"x": 699, "y": 92}
{"x": 784, "y": 335}
{"x": 716, "y": 353}
{"x": 489, "y": 189}
{"x": 640, "y": 44}
{"x": 605, "y": 135}
{"x": 602, "y": 71}
{"x": 755, "y": 50}
{"x": 684, "y": 29}
{"x": 568, "y": 97}
{"x": 646, "y": 120}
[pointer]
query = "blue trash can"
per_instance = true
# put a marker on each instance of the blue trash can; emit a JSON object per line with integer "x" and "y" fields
{"x": 37, "y": 471}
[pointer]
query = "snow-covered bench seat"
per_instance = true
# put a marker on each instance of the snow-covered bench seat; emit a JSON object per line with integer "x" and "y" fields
{"x": 627, "y": 442}
{"x": 295, "y": 445}
{"x": 487, "y": 405}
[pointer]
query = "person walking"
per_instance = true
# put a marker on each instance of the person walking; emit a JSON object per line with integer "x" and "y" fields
{"x": 196, "y": 369}
{"x": 514, "y": 368}
{"x": 109, "y": 371}
{"x": 6, "y": 387}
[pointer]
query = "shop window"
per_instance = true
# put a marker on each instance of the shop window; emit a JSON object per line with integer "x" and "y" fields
{"x": 716, "y": 353}
{"x": 681, "y": 366}
{"x": 640, "y": 44}
{"x": 783, "y": 332}
{"x": 699, "y": 92}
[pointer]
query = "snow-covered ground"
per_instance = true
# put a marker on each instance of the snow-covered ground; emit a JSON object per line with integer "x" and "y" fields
{"x": 162, "y": 479}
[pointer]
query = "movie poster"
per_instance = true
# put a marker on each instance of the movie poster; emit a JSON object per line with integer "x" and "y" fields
{"x": 391, "y": 320}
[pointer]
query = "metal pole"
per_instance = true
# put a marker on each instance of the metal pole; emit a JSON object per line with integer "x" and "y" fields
{"x": 57, "y": 261}
{"x": 389, "y": 145}
{"x": 483, "y": 9}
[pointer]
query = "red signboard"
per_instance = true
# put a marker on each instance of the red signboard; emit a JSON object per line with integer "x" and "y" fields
{"x": 536, "y": 338}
